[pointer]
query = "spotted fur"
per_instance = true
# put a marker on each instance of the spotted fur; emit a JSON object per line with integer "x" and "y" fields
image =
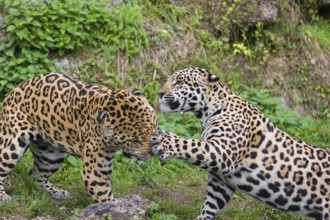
{"x": 242, "y": 149}
{"x": 55, "y": 114}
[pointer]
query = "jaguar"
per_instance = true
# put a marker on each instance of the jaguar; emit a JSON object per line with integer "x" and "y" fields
{"x": 242, "y": 149}
{"x": 54, "y": 115}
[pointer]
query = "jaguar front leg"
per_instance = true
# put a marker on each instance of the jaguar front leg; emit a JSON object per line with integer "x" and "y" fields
{"x": 163, "y": 145}
{"x": 95, "y": 174}
{"x": 167, "y": 145}
{"x": 205, "y": 154}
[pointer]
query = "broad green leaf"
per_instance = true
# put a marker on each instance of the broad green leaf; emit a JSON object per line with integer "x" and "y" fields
{"x": 10, "y": 52}
{"x": 20, "y": 34}
{"x": 36, "y": 23}
{"x": 10, "y": 28}
{"x": 2, "y": 59}
{"x": 10, "y": 86}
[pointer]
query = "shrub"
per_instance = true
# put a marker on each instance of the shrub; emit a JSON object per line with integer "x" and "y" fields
{"x": 35, "y": 29}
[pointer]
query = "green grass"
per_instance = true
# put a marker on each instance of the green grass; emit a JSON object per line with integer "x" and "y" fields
{"x": 318, "y": 32}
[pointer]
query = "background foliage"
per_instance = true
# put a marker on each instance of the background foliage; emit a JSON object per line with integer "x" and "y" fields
{"x": 38, "y": 30}
{"x": 281, "y": 67}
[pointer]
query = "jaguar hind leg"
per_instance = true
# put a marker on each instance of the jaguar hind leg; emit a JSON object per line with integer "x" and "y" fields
{"x": 12, "y": 147}
{"x": 47, "y": 160}
{"x": 218, "y": 195}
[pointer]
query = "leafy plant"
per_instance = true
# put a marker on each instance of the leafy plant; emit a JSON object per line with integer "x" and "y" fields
{"x": 36, "y": 29}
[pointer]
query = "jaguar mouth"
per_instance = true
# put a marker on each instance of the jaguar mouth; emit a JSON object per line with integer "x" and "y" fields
{"x": 169, "y": 102}
{"x": 136, "y": 155}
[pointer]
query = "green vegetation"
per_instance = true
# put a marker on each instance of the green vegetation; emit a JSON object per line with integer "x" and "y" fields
{"x": 137, "y": 45}
{"x": 37, "y": 30}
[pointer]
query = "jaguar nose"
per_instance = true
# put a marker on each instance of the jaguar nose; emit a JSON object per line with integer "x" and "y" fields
{"x": 161, "y": 94}
{"x": 126, "y": 154}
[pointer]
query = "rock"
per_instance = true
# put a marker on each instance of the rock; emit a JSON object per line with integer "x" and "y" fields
{"x": 3, "y": 37}
{"x": 115, "y": 3}
{"x": 66, "y": 64}
{"x": 323, "y": 3}
{"x": 123, "y": 208}
{"x": 267, "y": 12}
{"x": 18, "y": 217}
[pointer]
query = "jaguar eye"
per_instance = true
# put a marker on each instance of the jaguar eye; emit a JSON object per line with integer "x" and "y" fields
{"x": 179, "y": 82}
{"x": 136, "y": 140}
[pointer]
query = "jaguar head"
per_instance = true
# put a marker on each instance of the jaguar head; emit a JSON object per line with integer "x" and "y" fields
{"x": 128, "y": 123}
{"x": 185, "y": 90}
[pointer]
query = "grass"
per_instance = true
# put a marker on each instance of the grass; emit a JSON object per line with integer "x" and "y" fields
{"x": 318, "y": 32}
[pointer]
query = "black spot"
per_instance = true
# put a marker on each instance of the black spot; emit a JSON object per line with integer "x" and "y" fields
{"x": 211, "y": 205}
{"x": 213, "y": 156}
{"x": 174, "y": 105}
{"x": 21, "y": 143}
{"x": 252, "y": 180}
{"x": 207, "y": 148}
{"x": 289, "y": 188}
{"x": 100, "y": 193}
{"x": 14, "y": 156}
{"x": 253, "y": 155}
{"x": 275, "y": 187}
{"x": 13, "y": 147}
{"x": 238, "y": 174}
{"x": 246, "y": 188}
{"x": 6, "y": 156}
{"x": 91, "y": 93}
{"x": 263, "y": 193}
{"x": 270, "y": 143}
{"x": 253, "y": 166}
{"x": 51, "y": 78}
{"x": 82, "y": 92}
{"x": 213, "y": 163}
{"x": 200, "y": 157}
{"x": 261, "y": 177}
{"x": 194, "y": 150}
{"x": 270, "y": 127}
{"x": 282, "y": 201}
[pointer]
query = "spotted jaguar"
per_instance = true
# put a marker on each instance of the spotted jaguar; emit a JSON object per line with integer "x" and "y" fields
{"x": 242, "y": 149}
{"x": 55, "y": 114}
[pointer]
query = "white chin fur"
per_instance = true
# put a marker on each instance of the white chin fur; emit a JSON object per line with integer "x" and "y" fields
{"x": 164, "y": 108}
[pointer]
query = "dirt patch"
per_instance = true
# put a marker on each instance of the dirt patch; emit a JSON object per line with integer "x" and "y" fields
{"x": 161, "y": 194}
{"x": 18, "y": 217}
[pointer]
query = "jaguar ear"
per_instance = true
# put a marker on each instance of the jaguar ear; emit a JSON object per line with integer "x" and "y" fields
{"x": 101, "y": 115}
{"x": 137, "y": 92}
{"x": 207, "y": 76}
{"x": 212, "y": 78}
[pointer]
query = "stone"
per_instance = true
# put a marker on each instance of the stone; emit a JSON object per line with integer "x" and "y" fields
{"x": 115, "y": 3}
{"x": 3, "y": 37}
{"x": 323, "y": 3}
{"x": 266, "y": 12}
{"x": 123, "y": 208}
